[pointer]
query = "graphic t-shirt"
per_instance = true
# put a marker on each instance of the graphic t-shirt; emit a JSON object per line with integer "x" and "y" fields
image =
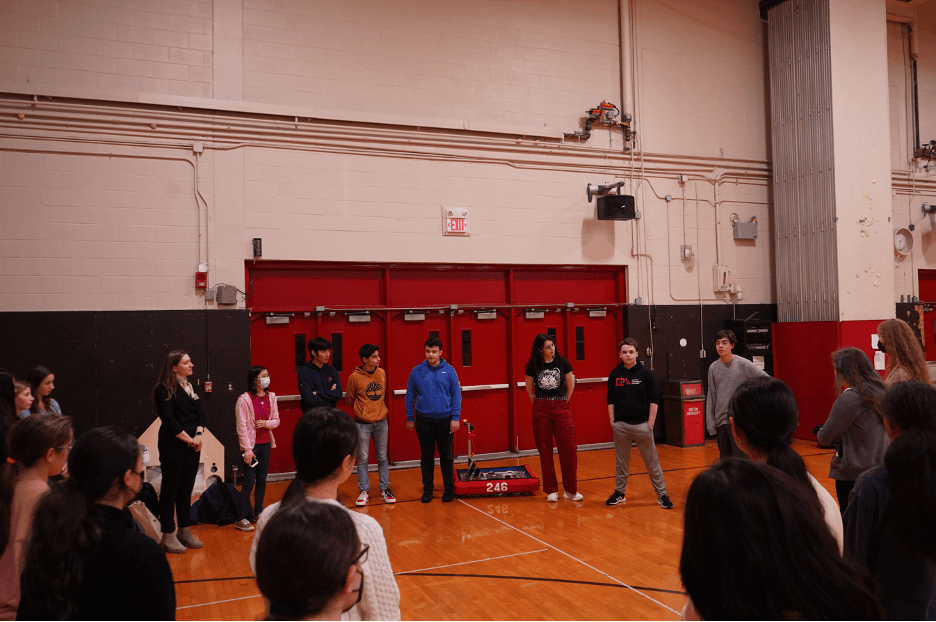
{"x": 550, "y": 382}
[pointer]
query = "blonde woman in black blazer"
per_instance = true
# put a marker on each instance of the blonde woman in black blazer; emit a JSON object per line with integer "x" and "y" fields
{"x": 180, "y": 441}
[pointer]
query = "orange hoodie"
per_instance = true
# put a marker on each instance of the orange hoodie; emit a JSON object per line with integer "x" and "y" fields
{"x": 366, "y": 392}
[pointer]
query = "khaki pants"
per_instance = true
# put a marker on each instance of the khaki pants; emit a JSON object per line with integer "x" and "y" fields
{"x": 641, "y": 434}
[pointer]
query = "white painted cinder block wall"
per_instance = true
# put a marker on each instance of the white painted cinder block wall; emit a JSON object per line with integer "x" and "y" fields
{"x": 83, "y": 231}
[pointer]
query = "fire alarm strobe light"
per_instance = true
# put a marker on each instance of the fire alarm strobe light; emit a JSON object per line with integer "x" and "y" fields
{"x": 201, "y": 280}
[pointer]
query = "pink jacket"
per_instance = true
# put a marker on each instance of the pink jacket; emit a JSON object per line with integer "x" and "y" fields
{"x": 246, "y": 430}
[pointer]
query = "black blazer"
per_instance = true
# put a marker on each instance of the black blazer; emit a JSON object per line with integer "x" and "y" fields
{"x": 179, "y": 413}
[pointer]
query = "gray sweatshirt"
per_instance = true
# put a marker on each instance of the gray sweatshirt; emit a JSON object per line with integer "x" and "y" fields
{"x": 722, "y": 381}
{"x": 857, "y": 432}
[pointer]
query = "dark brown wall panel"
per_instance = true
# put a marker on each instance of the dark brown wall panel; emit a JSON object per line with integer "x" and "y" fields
{"x": 106, "y": 362}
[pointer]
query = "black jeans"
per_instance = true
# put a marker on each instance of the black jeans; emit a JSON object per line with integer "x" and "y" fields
{"x": 179, "y": 466}
{"x": 726, "y": 445}
{"x": 843, "y": 489}
{"x": 254, "y": 475}
{"x": 434, "y": 433}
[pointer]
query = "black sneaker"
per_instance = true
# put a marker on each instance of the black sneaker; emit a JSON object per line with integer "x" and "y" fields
{"x": 427, "y": 496}
{"x": 448, "y": 496}
{"x": 616, "y": 498}
{"x": 665, "y": 502}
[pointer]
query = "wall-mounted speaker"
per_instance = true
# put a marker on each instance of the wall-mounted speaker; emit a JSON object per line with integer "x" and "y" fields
{"x": 616, "y": 207}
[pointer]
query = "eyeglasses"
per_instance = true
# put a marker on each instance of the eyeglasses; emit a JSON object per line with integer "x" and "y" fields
{"x": 362, "y": 556}
{"x": 360, "y": 559}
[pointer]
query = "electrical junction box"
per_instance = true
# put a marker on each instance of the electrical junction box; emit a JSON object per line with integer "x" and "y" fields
{"x": 227, "y": 295}
{"x": 744, "y": 230}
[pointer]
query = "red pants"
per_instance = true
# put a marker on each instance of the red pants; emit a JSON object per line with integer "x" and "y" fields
{"x": 553, "y": 418}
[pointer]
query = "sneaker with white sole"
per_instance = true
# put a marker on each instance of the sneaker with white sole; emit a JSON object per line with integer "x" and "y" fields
{"x": 243, "y": 525}
{"x": 387, "y": 496}
{"x": 578, "y": 496}
{"x": 616, "y": 498}
{"x": 665, "y": 502}
{"x": 552, "y": 497}
{"x": 362, "y": 499}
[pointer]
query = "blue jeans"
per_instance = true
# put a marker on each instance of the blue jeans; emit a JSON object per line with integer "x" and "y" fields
{"x": 377, "y": 431}
{"x": 255, "y": 475}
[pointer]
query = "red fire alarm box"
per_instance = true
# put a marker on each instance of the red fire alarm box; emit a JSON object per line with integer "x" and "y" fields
{"x": 684, "y": 413}
{"x": 201, "y": 280}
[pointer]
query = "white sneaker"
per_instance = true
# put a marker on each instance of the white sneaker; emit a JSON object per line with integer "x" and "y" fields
{"x": 552, "y": 497}
{"x": 578, "y": 496}
{"x": 362, "y": 499}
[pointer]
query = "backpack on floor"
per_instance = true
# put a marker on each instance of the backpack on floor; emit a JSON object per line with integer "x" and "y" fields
{"x": 149, "y": 498}
{"x": 217, "y": 505}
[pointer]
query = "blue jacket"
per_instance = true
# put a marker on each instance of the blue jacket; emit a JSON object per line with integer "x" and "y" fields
{"x": 437, "y": 389}
{"x": 315, "y": 385}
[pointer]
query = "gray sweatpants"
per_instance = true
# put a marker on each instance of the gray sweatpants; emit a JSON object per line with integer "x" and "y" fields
{"x": 640, "y": 433}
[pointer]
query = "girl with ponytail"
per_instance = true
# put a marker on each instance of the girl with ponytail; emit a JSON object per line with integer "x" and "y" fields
{"x": 325, "y": 452}
{"x": 38, "y": 450}
{"x": 853, "y": 426}
{"x": 85, "y": 559}
{"x": 309, "y": 563}
{"x": 889, "y": 524}
{"x": 763, "y": 417}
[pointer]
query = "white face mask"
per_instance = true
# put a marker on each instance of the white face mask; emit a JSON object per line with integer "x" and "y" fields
{"x": 264, "y": 382}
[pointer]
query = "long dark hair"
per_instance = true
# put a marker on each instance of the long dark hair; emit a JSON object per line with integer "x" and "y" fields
{"x": 911, "y": 466}
{"x": 903, "y": 349}
{"x": 852, "y": 366}
{"x": 255, "y": 371}
{"x": 35, "y": 377}
{"x": 167, "y": 376}
{"x": 764, "y": 410}
{"x": 324, "y": 437}
{"x": 63, "y": 531}
{"x": 303, "y": 558}
{"x": 7, "y": 399}
{"x": 30, "y": 439}
{"x": 754, "y": 550}
{"x": 537, "y": 362}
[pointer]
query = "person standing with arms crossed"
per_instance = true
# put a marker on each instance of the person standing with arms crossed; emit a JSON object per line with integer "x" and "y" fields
{"x": 724, "y": 376}
{"x": 433, "y": 389}
{"x": 319, "y": 382}
{"x": 633, "y": 401}
{"x": 366, "y": 388}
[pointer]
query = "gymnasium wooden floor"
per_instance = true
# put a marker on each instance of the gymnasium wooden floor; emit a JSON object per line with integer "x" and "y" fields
{"x": 500, "y": 558}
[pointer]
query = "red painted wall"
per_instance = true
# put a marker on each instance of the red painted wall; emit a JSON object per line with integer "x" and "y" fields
{"x": 803, "y": 359}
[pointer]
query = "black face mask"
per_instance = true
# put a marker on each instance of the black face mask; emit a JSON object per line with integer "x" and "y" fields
{"x": 881, "y": 346}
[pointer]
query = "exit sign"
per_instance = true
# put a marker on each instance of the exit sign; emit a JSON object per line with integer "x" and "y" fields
{"x": 455, "y": 221}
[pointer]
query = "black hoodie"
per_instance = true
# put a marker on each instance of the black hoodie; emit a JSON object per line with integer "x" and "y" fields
{"x": 632, "y": 391}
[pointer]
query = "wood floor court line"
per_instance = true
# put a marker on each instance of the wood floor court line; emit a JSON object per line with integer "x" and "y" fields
{"x": 548, "y": 580}
{"x": 218, "y": 602}
{"x": 215, "y": 579}
{"x": 648, "y": 597}
{"x": 474, "y": 561}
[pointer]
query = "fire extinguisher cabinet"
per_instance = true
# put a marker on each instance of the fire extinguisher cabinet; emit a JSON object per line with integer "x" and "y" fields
{"x": 684, "y": 413}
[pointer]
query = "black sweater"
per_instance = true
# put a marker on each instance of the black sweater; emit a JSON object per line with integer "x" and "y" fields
{"x": 126, "y": 577}
{"x": 632, "y": 391}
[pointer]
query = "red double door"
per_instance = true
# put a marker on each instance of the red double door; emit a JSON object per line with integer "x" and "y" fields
{"x": 486, "y": 317}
